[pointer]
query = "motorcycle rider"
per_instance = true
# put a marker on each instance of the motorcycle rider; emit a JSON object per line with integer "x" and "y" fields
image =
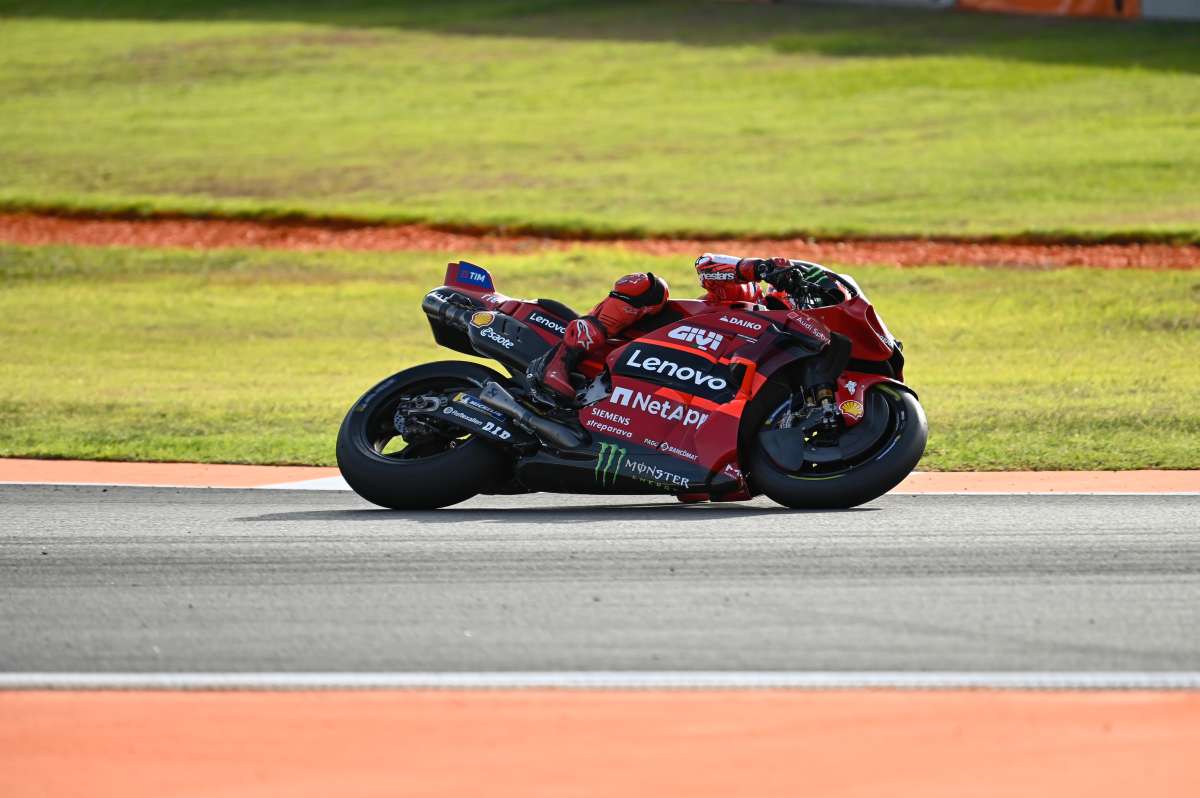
{"x": 726, "y": 279}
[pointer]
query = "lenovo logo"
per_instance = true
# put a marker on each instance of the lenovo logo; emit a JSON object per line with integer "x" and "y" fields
{"x": 669, "y": 368}
{"x": 548, "y": 324}
{"x": 677, "y": 369}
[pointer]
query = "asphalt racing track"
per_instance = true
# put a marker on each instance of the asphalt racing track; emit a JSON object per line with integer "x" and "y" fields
{"x": 154, "y": 580}
{"x": 217, "y": 641}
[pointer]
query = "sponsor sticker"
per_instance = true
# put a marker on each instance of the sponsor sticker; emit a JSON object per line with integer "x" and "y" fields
{"x": 475, "y": 404}
{"x": 663, "y": 408}
{"x": 490, "y": 334}
{"x": 547, "y": 323}
{"x": 702, "y": 339}
{"x": 737, "y": 321}
{"x": 674, "y": 369}
{"x": 608, "y": 415}
{"x": 852, "y": 408}
{"x": 675, "y": 450}
{"x": 607, "y": 429}
{"x": 809, "y": 325}
{"x": 473, "y": 275}
{"x": 608, "y": 463}
{"x": 454, "y": 411}
{"x": 483, "y": 318}
{"x": 612, "y": 461}
{"x": 490, "y": 427}
{"x": 583, "y": 333}
{"x": 497, "y": 430}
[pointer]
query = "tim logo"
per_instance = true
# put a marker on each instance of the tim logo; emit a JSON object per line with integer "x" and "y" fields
{"x": 702, "y": 339}
{"x": 608, "y": 463}
{"x": 473, "y": 275}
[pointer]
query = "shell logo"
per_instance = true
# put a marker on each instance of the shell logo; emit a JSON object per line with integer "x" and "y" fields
{"x": 852, "y": 408}
{"x": 483, "y": 318}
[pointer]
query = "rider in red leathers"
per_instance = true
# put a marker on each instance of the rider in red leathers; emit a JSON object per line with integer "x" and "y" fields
{"x": 633, "y": 297}
{"x": 726, "y": 279}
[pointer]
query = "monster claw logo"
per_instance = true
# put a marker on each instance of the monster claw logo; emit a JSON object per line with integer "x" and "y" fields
{"x": 608, "y": 462}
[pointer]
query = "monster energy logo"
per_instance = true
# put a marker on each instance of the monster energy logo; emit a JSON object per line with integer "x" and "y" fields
{"x": 608, "y": 462}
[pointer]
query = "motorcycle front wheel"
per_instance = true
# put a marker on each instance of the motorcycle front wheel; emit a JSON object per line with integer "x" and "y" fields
{"x": 870, "y": 459}
{"x": 423, "y": 468}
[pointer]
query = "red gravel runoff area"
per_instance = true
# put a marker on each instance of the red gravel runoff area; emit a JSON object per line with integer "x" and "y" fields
{"x": 35, "y": 230}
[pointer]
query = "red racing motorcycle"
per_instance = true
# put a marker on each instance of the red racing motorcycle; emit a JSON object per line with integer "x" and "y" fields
{"x": 803, "y": 401}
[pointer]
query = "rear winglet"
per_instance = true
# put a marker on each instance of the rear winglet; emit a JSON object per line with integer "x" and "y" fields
{"x": 468, "y": 275}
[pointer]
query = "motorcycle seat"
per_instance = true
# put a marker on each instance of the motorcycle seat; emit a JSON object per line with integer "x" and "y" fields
{"x": 558, "y": 309}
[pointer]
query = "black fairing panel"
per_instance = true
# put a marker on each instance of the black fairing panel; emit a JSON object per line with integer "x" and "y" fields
{"x": 505, "y": 339}
{"x": 611, "y": 466}
{"x": 558, "y": 309}
{"x": 445, "y": 334}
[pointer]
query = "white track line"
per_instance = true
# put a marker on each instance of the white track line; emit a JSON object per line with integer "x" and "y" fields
{"x": 324, "y": 483}
{"x": 623, "y": 680}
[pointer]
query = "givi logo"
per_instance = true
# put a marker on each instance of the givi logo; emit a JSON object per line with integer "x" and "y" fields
{"x": 704, "y": 339}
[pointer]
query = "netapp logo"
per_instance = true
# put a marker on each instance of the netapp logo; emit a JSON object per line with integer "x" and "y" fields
{"x": 663, "y": 408}
{"x": 673, "y": 369}
{"x": 704, "y": 339}
{"x": 548, "y": 324}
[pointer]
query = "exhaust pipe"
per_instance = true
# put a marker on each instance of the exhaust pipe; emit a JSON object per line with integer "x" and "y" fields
{"x": 560, "y": 435}
{"x": 437, "y": 305}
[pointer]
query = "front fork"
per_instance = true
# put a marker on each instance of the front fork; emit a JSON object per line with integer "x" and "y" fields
{"x": 817, "y": 415}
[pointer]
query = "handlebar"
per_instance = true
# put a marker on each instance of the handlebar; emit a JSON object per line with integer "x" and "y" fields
{"x": 797, "y": 285}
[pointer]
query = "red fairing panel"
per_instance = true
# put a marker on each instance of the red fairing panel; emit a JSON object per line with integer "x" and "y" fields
{"x": 695, "y": 387}
{"x": 852, "y": 391}
{"x": 856, "y": 319}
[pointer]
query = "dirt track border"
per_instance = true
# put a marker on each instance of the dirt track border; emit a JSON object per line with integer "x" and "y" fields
{"x": 32, "y": 229}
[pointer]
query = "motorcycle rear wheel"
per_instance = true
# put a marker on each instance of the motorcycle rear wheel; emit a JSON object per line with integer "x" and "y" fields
{"x": 420, "y": 476}
{"x": 841, "y": 485}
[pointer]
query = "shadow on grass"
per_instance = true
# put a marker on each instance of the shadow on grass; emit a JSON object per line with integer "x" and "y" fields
{"x": 547, "y": 515}
{"x": 789, "y": 28}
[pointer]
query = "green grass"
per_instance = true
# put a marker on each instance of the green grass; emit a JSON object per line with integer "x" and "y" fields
{"x": 646, "y": 117}
{"x": 254, "y": 356}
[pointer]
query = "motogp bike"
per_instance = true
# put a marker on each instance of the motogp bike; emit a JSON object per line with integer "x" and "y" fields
{"x": 803, "y": 401}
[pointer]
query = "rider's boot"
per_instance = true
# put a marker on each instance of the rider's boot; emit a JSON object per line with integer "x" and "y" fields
{"x": 633, "y": 297}
{"x": 552, "y": 371}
